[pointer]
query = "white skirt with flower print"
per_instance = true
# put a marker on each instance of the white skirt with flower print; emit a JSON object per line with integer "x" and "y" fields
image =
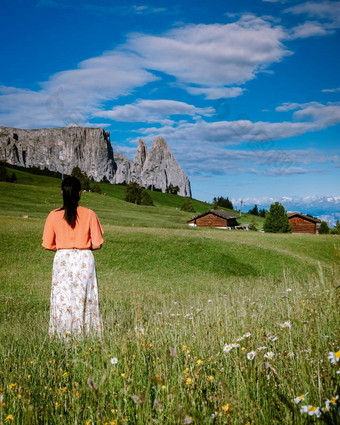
{"x": 74, "y": 294}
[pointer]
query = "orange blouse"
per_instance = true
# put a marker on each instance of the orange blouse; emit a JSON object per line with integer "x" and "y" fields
{"x": 58, "y": 234}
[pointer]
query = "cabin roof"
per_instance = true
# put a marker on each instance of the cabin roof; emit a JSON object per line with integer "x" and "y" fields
{"x": 292, "y": 214}
{"x": 219, "y": 213}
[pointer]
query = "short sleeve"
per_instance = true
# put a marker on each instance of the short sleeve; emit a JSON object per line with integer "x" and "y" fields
{"x": 96, "y": 230}
{"x": 48, "y": 239}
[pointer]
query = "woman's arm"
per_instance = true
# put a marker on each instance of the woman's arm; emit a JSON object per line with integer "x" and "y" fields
{"x": 94, "y": 247}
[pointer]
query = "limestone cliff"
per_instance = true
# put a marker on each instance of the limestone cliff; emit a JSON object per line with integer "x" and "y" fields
{"x": 62, "y": 149}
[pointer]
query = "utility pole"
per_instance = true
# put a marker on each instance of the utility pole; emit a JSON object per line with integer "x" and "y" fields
{"x": 241, "y": 208}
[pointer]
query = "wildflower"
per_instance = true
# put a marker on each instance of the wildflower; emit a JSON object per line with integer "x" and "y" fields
{"x": 286, "y": 324}
{"x": 269, "y": 355}
{"x": 56, "y": 404}
{"x": 211, "y": 378}
{"x": 247, "y": 335}
{"x": 311, "y": 410}
{"x": 185, "y": 371}
{"x": 273, "y": 338}
{"x": 199, "y": 362}
{"x": 163, "y": 387}
{"x": 243, "y": 348}
{"x": 114, "y": 360}
{"x": 113, "y": 422}
{"x": 226, "y": 408}
{"x": 210, "y": 301}
{"x": 150, "y": 345}
{"x": 240, "y": 339}
{"x": 291, "y": 354}
{"x": 10, "y": 386}
{"x": 334, "y": 357}
{"x": 251, "y": 355}
{"x": 227, "y": 348}
{"x": 334, "y": 400}
{"x": 261, "y": 348}
{"x": 288, "y": 290}
{"x": 300, "y": 398}
{"x": 9, "y": 418}
{"x": 235, "y": 345}
{"x": 188, "y": 381}
{"x": 122, "y": 375}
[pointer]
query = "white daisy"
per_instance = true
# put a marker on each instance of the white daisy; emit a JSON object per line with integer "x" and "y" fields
{"x": 227, "y": 348}
{"x": 114, "y": 360}
{"x": 311, "y": 410}
{"x": 286, "y": 324}
{"x": 300, "y": 398}
{"x": 269, "y": 355}
{"x": 251, "y": 355}
{"x": 334, "y": 357}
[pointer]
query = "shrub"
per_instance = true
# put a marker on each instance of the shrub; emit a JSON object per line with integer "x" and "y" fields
{"x": 146, "y": 199}
{"x": 96, "y": 188}
{"x": 3, "y": 172}
{"x": 324, "y": 229}
{"x": 276, "y": 220}
{"x": 133, "y": 193}
{"x": 82, "y": 177}
{"x": 172, "y": 189}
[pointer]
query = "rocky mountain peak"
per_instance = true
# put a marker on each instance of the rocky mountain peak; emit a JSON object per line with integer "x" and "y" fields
{"x": 62, "y": 149}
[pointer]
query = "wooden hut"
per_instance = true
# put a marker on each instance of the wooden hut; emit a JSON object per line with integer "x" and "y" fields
{"x": 302, "y": 223}
{"x": 214, "y": 218}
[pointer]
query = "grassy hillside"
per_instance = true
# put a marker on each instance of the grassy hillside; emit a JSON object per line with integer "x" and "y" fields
{"x": 172, "y": 297}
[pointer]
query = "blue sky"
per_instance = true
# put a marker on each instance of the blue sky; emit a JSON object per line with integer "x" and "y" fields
{"x": 246, "y": 94}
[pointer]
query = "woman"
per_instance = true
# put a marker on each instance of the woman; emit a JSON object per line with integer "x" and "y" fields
{"x": 73, "y": 231}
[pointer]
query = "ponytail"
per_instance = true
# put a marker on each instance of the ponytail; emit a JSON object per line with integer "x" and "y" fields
{"x": 71, "y": 187}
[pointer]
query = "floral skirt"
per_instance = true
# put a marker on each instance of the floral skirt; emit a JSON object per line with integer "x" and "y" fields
{"x": 74, "y": 296}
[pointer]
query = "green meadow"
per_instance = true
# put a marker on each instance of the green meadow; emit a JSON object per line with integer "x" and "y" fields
{"x": 201, "y": 326}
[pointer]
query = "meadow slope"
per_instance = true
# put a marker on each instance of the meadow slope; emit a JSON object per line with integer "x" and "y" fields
{"x": 173, "y": 299}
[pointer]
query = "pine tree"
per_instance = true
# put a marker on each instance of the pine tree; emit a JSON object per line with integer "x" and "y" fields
{"x": 187, "y": 206}
{"x": 276, "y": 220}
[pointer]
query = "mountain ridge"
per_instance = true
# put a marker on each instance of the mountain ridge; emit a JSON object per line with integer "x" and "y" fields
{"x": 62, "y": 149}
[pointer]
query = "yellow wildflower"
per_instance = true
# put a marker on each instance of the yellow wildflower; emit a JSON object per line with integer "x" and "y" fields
{"x": 185, "y": 371}
{"x": 10, "y": 386}
{"x": 199, "y": 362}
{"x": 9, "y": 418}
{"x": 211, "y": 378}
{"x": 188, "y": 381}
{"x": 226, "y": 408}
{"x": 122, "y": 375}
{"x": 163, "y": 387}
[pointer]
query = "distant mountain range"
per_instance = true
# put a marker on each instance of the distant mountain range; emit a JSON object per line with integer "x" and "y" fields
{"x": 325, "y": 208}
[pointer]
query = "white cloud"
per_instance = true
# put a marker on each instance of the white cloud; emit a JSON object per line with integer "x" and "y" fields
{"x": 310, "y": 29}
{"x": 205, "y": 59}
{"x": 216, "y": 92}
{"x": 72, "y": 96}
{"x": 213, "y": 55}
{"x": 328, "y": 10}
{"x": 336, "y": 90}
{"x": 312, "y": 116}
{"x": 153, "y": 111}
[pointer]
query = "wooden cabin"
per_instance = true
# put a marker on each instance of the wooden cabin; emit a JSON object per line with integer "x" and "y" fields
{"x": 303, "y": 223}
{"x": 214, "y": 218}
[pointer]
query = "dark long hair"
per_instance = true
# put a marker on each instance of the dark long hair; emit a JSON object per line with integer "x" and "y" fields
{"x": 71, "y": 187}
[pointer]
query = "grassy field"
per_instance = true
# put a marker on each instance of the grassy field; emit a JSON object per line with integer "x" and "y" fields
{"x": 173, "y": 299}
